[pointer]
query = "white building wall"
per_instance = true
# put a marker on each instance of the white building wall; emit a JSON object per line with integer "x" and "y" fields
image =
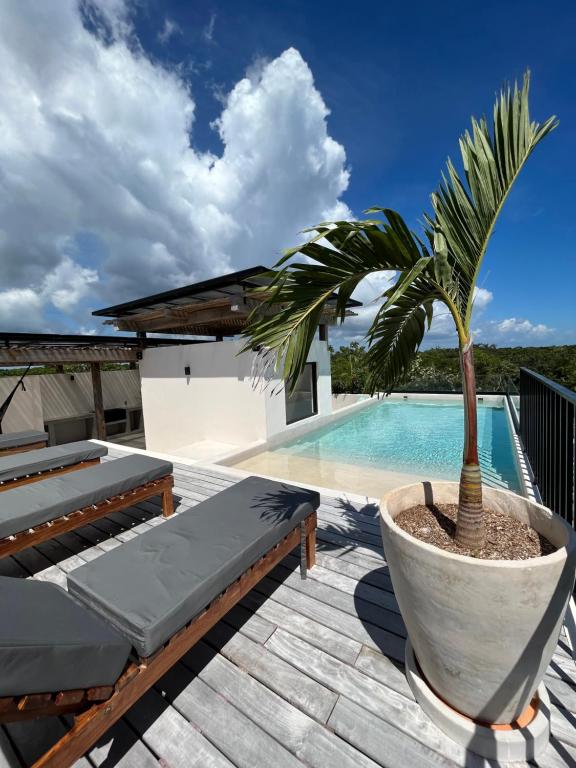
{"x": 276, "y": 403}
{"x": 216, "y": 402}
{"x": 221, "y": 400}
{"x": 25, "y": 411}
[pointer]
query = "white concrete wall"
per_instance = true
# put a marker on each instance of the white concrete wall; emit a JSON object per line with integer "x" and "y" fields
{"x": 343, "y": 400}
{"x": 216, "y": 402}
{"x": 276, "y": 403}
{"x": 25, "y": 411}
{"x": 221, "y": 400}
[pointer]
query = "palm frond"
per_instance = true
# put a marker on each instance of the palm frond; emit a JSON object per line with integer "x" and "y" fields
{"x": 396, "y": 334}
{"x": 342, "y": 255}
{"x": 444, "y": 267}
{"x": 465, "y": 213}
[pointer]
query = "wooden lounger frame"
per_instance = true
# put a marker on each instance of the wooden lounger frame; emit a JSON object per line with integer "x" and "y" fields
{"x": 32, "y": 536}
{"x": 23, "y": 448}
{"x": 33, "y": 477}
{"x": 97, "y": 709}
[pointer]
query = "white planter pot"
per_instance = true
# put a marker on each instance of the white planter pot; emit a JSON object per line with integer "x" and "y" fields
{"x": 483, "y": 631}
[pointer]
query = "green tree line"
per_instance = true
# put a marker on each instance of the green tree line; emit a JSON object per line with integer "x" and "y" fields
{"x": 438, "y": 369}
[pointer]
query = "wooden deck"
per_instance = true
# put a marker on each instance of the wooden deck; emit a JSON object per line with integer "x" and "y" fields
{"x": 302, "y": 673}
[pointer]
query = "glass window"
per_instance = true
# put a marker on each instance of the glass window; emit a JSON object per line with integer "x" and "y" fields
{"x": 302, "y": 403}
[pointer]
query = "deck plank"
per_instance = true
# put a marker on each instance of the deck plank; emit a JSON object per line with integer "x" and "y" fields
{"x": 168, "y": 734}
{"x": 388, "y": 705}
{"x": 348, "y": 602}
{"x": 379, "y": 595}
{"x": 229, "y": 730}
{"x": 299, "y": 673}
{"x": 298, "y": 732}
{"x": 323, "y": 637}
{"x": 122, "y": 747}
{"x": 556, "y": 755}
{"x": 349, "y": 625}
{"x": 386, "y": 671}
{"x": 380, "y": 740}
{"x": 366, "y": 574}
{"x": 295, "y": 686}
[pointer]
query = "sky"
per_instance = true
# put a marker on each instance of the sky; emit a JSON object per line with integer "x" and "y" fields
{"x": 148, "y": 144}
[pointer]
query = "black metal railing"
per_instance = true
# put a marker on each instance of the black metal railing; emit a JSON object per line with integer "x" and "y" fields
{"x": 547, "y": 429}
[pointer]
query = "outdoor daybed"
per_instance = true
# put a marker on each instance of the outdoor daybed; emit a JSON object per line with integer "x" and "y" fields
{"x": 157, "y": 594}
{"x": 18, "y": 470}
{"x": 39, "y": 511}
{"x": 18, "y": 442}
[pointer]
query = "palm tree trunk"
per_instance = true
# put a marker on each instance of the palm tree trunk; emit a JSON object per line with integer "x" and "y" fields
{"x": 470, "y": 524}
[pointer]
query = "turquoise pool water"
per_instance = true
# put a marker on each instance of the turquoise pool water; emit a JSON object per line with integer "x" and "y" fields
{"x": 414, "y": 436}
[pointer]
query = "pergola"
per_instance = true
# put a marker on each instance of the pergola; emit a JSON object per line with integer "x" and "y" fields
{"x": 22, "y": 349}
{"x": 218, "y": 307}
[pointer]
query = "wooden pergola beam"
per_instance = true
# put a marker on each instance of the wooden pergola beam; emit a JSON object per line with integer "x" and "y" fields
{"x": 62, "y": 356}
{"x": 161, "y": 320}
{"x": 219, "y": 317}
{"x": 99, "y": 420}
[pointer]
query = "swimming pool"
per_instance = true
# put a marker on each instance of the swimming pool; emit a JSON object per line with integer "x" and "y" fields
{"x": 413, "y": 436}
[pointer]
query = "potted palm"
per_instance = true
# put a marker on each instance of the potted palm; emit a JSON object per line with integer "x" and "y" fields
{"x": 483, "y": 624}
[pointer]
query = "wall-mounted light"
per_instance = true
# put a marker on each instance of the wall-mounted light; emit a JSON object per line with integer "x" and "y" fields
{"x": 186, "y": 370}
{"x": 72, "y": 377}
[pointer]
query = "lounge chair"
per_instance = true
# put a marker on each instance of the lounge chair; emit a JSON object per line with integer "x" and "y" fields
{"x": 18, "y": 470}
{"x": 158, "y": 594}
{"x": 18, "y": 442}
{"x": 39, "y": 511}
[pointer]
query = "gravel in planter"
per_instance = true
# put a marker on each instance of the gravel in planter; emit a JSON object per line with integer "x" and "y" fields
{"x": 506, "y": 537}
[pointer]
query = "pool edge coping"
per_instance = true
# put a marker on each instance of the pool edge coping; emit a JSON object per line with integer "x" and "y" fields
{"x": 525, "y": 474}
{"x": 523, "y": 469}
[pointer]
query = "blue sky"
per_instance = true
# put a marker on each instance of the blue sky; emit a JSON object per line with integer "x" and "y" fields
{"x": 400, "y": 82}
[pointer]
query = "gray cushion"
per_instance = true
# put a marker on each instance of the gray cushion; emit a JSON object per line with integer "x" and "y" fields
{"x": 151, "y": 586}
{"x": 21, "y": 464}
{"x": 49, "y": 642}
{"x": 30, "y": 505}
{"x": 16, "y": 439}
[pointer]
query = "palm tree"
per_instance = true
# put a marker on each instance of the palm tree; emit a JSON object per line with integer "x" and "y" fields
{"x": 441, "y": 267}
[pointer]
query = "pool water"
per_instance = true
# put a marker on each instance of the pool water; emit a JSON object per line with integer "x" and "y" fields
{"x": 414, "y": 436}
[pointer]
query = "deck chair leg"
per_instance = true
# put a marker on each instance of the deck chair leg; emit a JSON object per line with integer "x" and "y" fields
{"x": 307, "y": 544}
{"x": 303, "y": 550}
{"x": 167, "y": 501}
{"x": 311, "y": 548}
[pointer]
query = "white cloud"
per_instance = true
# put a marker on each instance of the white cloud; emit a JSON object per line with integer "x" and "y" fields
{"x": 66, "y": 285}
{"x": 369, "y": 292}
{"x": 511, "y": 331}
{"x": 514, "y": 327}
{"x": 96, "y": 144}
{"x": 20, "y": 310}
{"x": 110, "y": 17}
{"x": 168, "y": 31}
{"x": 208, "y": 31}
{"x": 442, "y": 332}
{"x": 482, "y": 297}
{"x": 62, "y": 288}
